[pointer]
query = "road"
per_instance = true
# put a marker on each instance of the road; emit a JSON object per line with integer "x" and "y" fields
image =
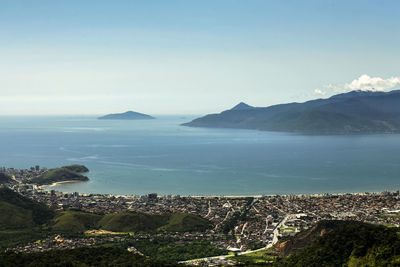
{"x": 274, "y": 241}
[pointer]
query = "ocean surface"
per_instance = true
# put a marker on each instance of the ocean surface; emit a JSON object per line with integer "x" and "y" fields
{"x": 141, "y": 157}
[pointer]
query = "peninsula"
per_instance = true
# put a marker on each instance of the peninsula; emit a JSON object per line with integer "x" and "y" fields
{"x": 356, "y": 112}
{"x": 69, "y": 173}
{"x": 129, "y": 115}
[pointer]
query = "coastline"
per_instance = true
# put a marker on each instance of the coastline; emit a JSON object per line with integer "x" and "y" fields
{"x": 215, "y": 196}
{"x": 59, "y": 183}
{"x": 228, "y": 196}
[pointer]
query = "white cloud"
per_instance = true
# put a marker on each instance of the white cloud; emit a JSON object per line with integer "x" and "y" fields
{"x": 335, "y": 88}
{"x": 364, "y": 83}
{"x": 319, "y": 92}
{"x": 367, "y": 83}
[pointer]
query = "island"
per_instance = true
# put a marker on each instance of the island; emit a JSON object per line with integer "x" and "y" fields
{"x": 356, "y": 112}
{"x": 71, "y": 173}
{"x": 129, "y": 115}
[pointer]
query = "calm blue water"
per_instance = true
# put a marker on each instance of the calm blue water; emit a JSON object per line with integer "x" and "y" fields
{"x": 140, "y": 157}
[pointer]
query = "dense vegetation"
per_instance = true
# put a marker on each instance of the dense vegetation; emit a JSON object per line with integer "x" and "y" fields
{"x": 172, "y": 249}
{"x": 132, "y": 222}
{"x": 21, "y": 219}
{"x": 333, "y": 243}
{"x": 17, "y": 237}
{"x": 77, "y": 168}
{"x": 350, "y": 244}
{"x": 100, "y": 256}
{"x": 20, "y": 212}
{"x": 183, "y": 222}
{"x": 78, "y": 222}
{"x": 4, "y": 178}
{"x": 74, "y": 222}
{"x": 67, "y": 173}
{"x": 260, "y": 258}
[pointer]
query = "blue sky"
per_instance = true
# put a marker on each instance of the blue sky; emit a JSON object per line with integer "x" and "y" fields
{"x": 190, "y": 57}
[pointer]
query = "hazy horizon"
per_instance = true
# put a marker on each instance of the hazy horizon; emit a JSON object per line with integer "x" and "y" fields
{"x": 117, "y": 111}
{"x": 186, "y": 57}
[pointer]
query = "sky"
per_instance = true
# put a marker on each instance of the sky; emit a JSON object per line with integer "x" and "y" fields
{"x": 191, "y": 57}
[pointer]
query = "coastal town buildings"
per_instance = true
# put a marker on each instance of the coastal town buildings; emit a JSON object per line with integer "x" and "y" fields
{"x": 239, "y": 223}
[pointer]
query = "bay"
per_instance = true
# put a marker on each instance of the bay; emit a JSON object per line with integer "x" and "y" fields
{"x": 141, "y": 157}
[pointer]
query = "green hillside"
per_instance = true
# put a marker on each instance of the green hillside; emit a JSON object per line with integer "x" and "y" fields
{"x": 134, "y": 222}
{"x": 20, "y": 212}
{"x": 79, "y": 222}
{"x": 21, "y": 219}
{"x": 305, "y": 238}
{"x": 77, "y": 168}
{"x": 13, "y": 216}
{"x": 74, "y": 222}
{"x": 349, "y": 244}
{"x": 4, "y": 178}
{"x": 131, "y": 222}
{"x": 182, "y": 222}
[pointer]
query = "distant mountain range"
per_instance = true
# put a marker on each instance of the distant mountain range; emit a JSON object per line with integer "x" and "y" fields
{"x": 129, "y": 115}
{"x": 356, "y": 112}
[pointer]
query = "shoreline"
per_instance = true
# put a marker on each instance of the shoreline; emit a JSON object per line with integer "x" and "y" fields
{"x": 59, "y": 183}
{"x": 214, "y": 196}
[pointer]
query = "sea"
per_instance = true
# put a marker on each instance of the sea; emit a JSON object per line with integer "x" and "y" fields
{"x": 160, "y": 156}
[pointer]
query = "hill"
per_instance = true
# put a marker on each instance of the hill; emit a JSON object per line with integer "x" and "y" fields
{"x": 74, "y": 222}
{"x": 305, "y": 238}
{"x": 171, "y": 222}
{"x": 77, "y": 168}
{"x": 131, "y": 222}
{"x": 21, "y": 219}
{"x": 79, "y": 222}
{"x": 19, "y": 212}
{"x": 129, "y": 115}
{"x": 355, "y": 112}
{"x": 332, "y": 243}
{"x": 67, "y": 173}
{"x": 4, "y": 178}
{"x": 343, "y": 243}
{"x": 182, "y": 222}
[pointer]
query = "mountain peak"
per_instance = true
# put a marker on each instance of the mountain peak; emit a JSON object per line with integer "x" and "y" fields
{"x": 356, "y": 112}
{"x": 242, "y": 106}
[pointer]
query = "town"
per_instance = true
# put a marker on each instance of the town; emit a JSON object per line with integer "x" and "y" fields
{"x": 239, "y": 223}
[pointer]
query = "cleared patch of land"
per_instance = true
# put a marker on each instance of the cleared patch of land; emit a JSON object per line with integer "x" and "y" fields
{"x": 261, "y": 256}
